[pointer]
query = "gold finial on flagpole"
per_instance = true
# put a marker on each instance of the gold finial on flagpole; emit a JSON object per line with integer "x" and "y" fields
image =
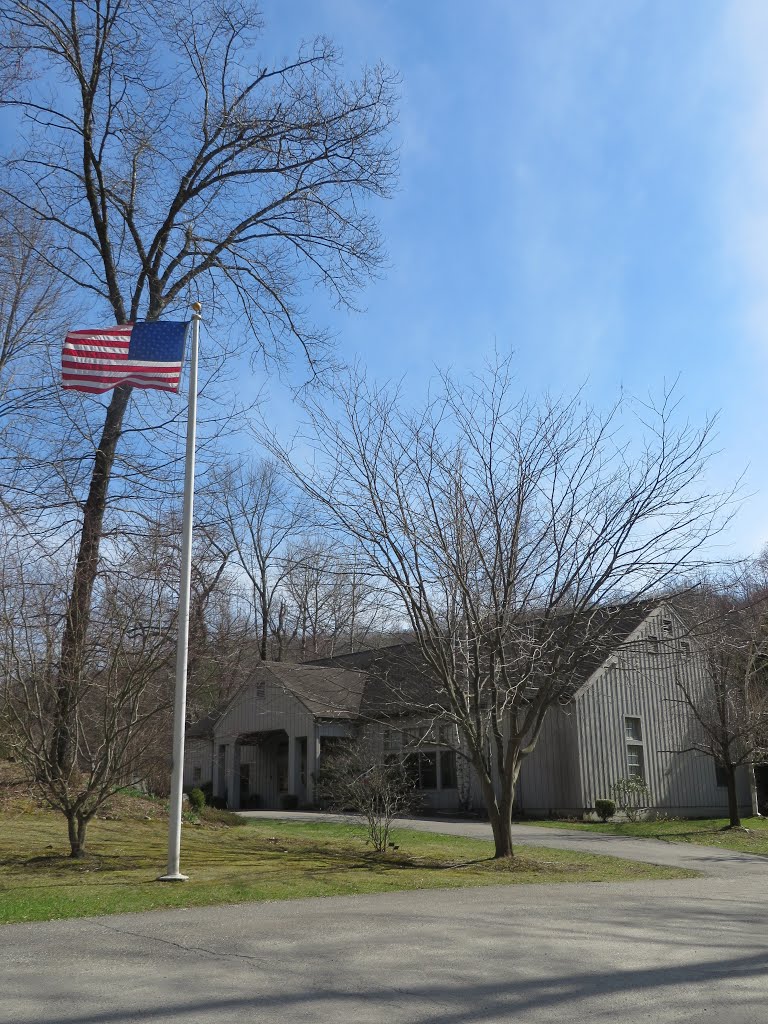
{"x": 197, "y": 307}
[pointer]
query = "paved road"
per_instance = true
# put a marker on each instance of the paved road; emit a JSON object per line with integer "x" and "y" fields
{"x": 668, "y": 952}
{"x": 708, "y": 859}
{"x": 693, "y": 951}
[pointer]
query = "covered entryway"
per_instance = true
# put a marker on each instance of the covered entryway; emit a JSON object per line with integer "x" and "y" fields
{"x": 272, "y": 770}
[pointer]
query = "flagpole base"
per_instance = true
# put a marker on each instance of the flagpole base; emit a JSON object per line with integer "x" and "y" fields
{"x": 173, "y": 878}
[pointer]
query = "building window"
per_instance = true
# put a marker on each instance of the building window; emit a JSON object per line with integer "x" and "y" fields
{"x": 197, "y": 773}
{"x": 721, "y": 779}
{"x": 448, "y": 769}
{"x": 666, "y": 627}
{"x": 391, "y": 740}
{"x": 412, "y": 737}
{"x": 635, "y": 761}
{"x": 260, "y": 689}
{"x": 653, "y": 643}
{"x": 685, "y": 648}
{"x": 445, "y": 733}
{"x": 633, "y": 730}
{"x": 428, "y": 769}
{"x": 432, "y": 769}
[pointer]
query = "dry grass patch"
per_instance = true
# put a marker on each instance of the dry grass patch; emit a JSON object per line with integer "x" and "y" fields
{"x": 254, "y": 860}
{"x": 751, "y": 838}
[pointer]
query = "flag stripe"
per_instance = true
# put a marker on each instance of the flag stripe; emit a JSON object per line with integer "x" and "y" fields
{"x": 126, "y": 364}
{"x": 100, "y": 389}
{"x": 100, "y": 332}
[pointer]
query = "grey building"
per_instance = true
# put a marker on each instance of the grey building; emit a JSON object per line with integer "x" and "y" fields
{"x": 624, "y": 718}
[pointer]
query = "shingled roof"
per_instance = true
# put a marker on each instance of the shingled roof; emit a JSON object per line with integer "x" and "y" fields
{"x": 388, "y": 681}
{"x": 328, "y": 691}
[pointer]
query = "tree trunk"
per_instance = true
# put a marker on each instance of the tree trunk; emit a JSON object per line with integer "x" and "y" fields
{"x": 733, "y": 802}
{"x": 500, "y": 816}
{"x": 86, "y": 570}
{"x": 264, "y": 631}
{"x": 77, "y": 828}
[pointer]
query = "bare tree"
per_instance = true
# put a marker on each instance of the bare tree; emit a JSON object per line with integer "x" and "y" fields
{"x": 122, "y": 709}
{"x": 513, "y": 533}
{"x": 125, "y": 689}
{"x": 182, "y": 170}
{"x": 331, "y": 604}
{"x": 257, "y": 516}
{"x": 377, "y": 789}
{"x": 729, "y": 700}
{"x": 33, "y": 308}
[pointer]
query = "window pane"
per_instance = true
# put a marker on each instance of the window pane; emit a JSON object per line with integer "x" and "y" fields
{"x": 635, "y": 761}
{"x": 633, "y": 729}
{"x": 411, "y": 765}
{"x": 448, "y": 769}
{"x": 428, "y": 763}
{"x": 721, "y": 779}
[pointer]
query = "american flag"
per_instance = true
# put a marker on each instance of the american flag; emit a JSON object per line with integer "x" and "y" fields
{"x": 146, "y": 355}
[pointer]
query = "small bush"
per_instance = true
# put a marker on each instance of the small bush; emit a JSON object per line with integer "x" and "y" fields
{"x": 632, "y": 796}
{"x": 197, "y": 799}
{"x": 354, "y": 778}
{"x": 217, "y": 816}
{"x": 605, "y": 809}
{"x": 289, "y": 802}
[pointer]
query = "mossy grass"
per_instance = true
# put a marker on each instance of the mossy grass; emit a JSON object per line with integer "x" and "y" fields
{"x": 255, "y": 860}
{"x": 751, "y": 838}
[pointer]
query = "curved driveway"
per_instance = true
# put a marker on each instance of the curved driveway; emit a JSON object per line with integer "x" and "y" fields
{"x": 709, "y": 859}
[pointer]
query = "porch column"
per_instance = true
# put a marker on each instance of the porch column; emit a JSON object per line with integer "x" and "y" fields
{"x": 293, "y": 766}
{"x": 313, "y": 761}
{"x": 234, "y": 798}
{"x": 227, "y": 766}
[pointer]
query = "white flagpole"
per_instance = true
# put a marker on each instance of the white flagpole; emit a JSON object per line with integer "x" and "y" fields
{"x": 180, "y": 703}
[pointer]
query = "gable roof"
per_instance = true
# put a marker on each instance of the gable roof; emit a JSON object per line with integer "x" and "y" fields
{"x": 327, "y": 691}
{"x": 398, "y": 675}
{"x": 390, "y": 681}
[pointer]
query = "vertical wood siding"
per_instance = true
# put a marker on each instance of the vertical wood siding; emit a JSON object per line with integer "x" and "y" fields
{"x": 549, "y": 776}
{"x": 264, "y": 706}
{"x": 198, "y": 753}
{"x": 641, "y": 684}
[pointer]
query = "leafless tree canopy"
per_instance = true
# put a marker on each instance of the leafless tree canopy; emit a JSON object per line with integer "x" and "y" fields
{"x": 729, "y": 632}
{"x": 163, "y": 152}
{"x": 514, "y": 533}
{"x": 164, "y": 161}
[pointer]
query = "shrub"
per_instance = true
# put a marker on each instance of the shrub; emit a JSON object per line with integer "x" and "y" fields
{"x": 354, "y": 778}
{"x": 605, "y": 809}
{"x": 197, "y": 799}
{"x": 217, "y": 816}
{"x": 631, "y": 795}
{"x": 289, "y": 802}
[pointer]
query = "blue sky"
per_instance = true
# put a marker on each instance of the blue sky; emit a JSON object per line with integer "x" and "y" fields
{"x": 585, "y": 183}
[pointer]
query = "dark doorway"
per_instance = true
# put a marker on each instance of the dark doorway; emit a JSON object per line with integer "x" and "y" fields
{"x": 761, "y": 783}
{"x": 249, "y": 801}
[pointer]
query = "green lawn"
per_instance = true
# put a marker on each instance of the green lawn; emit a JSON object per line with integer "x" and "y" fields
{"x": 753, "y": 838}
{"x": 257, "y": 860}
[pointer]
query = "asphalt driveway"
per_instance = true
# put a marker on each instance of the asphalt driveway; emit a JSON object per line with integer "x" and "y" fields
{"x": 672, "y": 951}
{"x": 668, "y": 952}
